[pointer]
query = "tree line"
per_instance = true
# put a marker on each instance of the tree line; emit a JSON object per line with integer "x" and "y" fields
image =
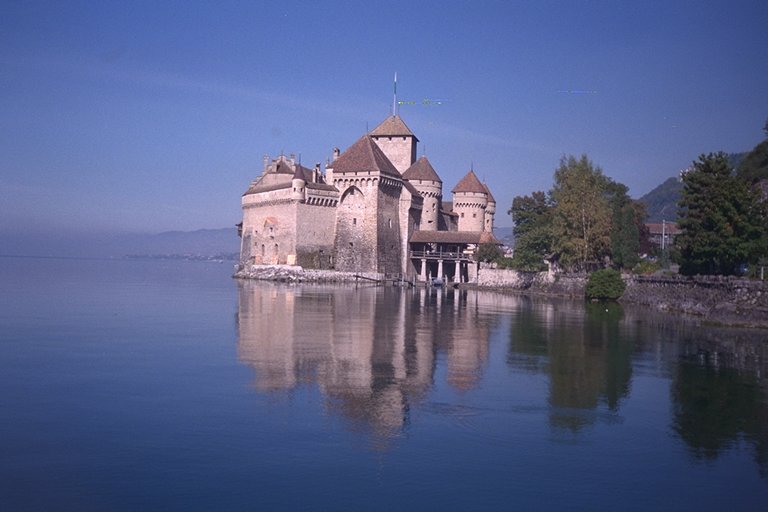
{"x": 587, "y": 221}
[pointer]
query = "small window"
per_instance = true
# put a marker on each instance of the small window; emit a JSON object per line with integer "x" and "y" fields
{"x": 354, "y": 221}
{"x": 462, "y": 215}
{"x": 390, "y": 223}
{"x": 474, "y": 215}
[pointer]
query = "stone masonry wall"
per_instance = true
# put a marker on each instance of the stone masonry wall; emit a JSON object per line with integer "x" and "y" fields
{"x": 356, "y": 229}
{"x": 717, "y": 300}
{"x": 401, "y": 151}
{"x": 270, "y": 230}
{"x": 315, "y": 232}
{"x": 388, "y": 224}
{"x": 723, "y": 300}
{"x": 534, "y": 282}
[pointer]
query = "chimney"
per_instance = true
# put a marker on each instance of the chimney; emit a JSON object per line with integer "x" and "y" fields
{"x": 266, "y": 162}
{"x": 336, "y": 153}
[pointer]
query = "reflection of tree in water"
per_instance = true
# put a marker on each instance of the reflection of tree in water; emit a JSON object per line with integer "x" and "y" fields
{"x": 585, "y": 352}
{"x": 716, "y": 408}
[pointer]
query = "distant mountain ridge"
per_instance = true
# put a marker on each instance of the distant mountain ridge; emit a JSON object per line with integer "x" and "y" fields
{"x": 201, "y": 243}
{"x": 661, "y": 202}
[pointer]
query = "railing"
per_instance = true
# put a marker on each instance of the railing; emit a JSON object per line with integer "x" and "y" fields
{"x": 442, "y": 255}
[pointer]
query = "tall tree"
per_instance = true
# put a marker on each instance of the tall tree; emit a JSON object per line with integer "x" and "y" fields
{"x": 722, "y": 218}
{"x": 754, "y": 167}
{"x": 625, "y": 237}
{"x": 533, "y": 233}
{"x": 581, "y": 220}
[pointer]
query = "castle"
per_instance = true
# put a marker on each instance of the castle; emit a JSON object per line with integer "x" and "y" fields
{"x": 374, "y": 209}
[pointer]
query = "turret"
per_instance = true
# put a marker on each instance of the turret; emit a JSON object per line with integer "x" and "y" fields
{"x": 397, "y": 141}
{"x": 470, "y": 200}
{"x": 298, "y": 184}
{"x": 424, "y": 178}
{"x": 490, "y": 210}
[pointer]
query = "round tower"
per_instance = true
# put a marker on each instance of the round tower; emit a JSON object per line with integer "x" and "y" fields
{"x": 470, "y": 201}
{"x": 490, "y": 210}
{"x": 424, "y": 179}
{"x": 298, "y": 184}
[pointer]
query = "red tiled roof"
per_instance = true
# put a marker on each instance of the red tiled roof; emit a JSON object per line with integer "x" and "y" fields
{"x": 488, "y": 238}
{"x": 421, "y": 170}
{"x": 393, "y": 126}
{"x": 364, "y": 155}
{"x": 669, "y": 228}
{"x": 491, "y": 199}
{"x": 469, "y": 184}
{"x": 448, "y": 237}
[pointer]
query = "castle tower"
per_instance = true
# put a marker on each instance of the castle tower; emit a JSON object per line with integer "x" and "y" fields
{"x": 470, "y": 200}
{"x": 424, "y": 178}
{"x": 490, "y": 210}
{"x": 367, "y": 217}
{"x": 298, "y": 184}
{"x": 397, "y": 141}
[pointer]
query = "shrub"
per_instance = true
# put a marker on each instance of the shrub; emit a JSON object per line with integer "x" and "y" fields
{"x": 646, "y": 267}
{"x": 605, "y": 285}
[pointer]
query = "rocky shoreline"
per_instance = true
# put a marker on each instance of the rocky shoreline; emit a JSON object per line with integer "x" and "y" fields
{"x": 716, "y": 300}
{"x": 725, "y": 301}
{"x": 296, "y": 274}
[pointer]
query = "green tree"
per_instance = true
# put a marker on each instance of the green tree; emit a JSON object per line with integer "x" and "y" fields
{"x": 754, "y": 167}
{"x": 581, "y": 219}
{"x": 625, "y": 238}
{"x": 722, "y": 218}
{"x": 488, "y": 253}
{"x": 533, "y": 233}
{"x": 605, "y": 284}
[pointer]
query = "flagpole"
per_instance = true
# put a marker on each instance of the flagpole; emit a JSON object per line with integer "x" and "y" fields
{"x": 394, "y": 97}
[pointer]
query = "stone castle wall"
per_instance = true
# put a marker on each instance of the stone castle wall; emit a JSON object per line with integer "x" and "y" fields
{"x": 388, "y": 246}
{"x": 269, "y": 231}
{"x": 315, "y": 228}
{"x": 356, "y": 228}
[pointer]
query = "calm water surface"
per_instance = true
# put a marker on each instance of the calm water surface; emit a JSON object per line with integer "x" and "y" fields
{"x": 153, "y": 385}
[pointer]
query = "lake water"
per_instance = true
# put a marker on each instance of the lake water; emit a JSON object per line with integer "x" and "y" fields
{"x": 159, "y": 385}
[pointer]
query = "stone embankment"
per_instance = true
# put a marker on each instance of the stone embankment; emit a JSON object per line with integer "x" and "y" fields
{"x": 296, "y": 274}
{"x": 718, "y": 300}
{"x": 542, "y": 283}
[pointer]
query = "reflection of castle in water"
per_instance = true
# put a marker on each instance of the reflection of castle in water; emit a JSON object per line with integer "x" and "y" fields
{"x": 371, "y": 351}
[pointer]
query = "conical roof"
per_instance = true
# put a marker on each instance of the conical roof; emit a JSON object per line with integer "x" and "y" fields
{"x": 299, "y": 173}
{"x": 488, "y": 238}
{"x": 470, "y": 184}
{"x": 422, "y": 170}
{"x": 392, "y": 126}
{"x": 364, "y": 155}
{"x": 491, "y": 199}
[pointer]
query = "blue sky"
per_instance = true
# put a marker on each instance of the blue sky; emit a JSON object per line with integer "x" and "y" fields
{"x": 154, "y": 116}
